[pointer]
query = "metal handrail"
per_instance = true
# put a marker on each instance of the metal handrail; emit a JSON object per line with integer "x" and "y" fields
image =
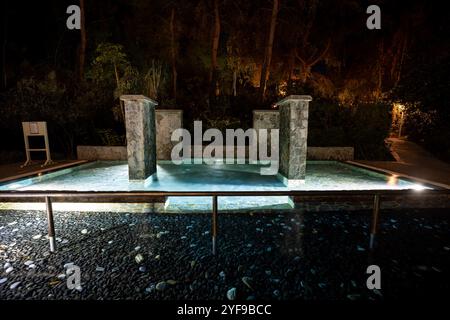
{"x": 293, "y": 193}
{"x": 377, "y": 194}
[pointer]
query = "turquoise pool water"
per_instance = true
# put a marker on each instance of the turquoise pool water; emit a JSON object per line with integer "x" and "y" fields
{"x": 113, "y": 176}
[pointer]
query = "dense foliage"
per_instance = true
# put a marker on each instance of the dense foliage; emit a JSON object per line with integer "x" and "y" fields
{"x": 424, "y": 88}
{"x": 208, "y": 58}
{"x": 363, "y": 126}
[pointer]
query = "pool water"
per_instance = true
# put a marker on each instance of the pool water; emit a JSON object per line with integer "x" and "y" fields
{"x": 113, "y": 176}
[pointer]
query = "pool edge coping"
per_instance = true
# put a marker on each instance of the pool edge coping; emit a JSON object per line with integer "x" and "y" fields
{"x": 400, "y": 175}
{"x": 43, "y": 171}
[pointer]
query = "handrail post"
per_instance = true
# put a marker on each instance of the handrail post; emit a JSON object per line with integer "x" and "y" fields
{"x": 214, "y": 224}
{"x": 375, "y": 214}
{"x": 51, "y": 224}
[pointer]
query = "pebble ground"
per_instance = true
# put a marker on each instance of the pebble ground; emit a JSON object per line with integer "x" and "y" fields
{"x": 285, "y": 256}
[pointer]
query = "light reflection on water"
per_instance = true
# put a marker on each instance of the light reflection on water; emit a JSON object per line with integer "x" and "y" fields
{"x": 113, "y": 176}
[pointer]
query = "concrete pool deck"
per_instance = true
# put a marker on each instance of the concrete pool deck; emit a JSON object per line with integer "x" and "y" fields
{"x": 14, "y": 171}
{"x": 410, "y": 162}
{"x": 413, "y": 161}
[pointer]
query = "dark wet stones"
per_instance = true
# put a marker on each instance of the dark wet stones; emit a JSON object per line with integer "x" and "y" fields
{"x": 231, "y": 294}
{"x": 353, "y": 296}
{"x": 311, "y": 256}
{"x": 139, "y": 258}
{"x": 15, "y": 285}
{"x": 247, "y": 281}
{"x": 161, "y": 286}
{"x": 142, "y": 269}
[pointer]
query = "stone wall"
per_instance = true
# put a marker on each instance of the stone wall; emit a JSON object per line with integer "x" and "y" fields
{"x": 270, "y": 119}
{"x": 166, "y": 122}
{"x": 266, "y": 119}
{"x": 102, "y": 153}
{"x": 169, "y": 120}
{"x": 331, "y": 153}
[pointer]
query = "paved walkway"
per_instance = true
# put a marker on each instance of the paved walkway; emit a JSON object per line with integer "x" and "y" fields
{"x": 414, "y": 161}
{"x": 14, "y": 170}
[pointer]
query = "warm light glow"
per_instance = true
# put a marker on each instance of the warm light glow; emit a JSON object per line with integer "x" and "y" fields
{"x": 419, "y": 187}
{"x": 393, "y": 180}
{"x": 282, "y": 89}
{"x": 399, "y": 107}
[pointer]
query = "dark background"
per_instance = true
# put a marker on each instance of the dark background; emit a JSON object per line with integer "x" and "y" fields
{"x": 358, "y": 75}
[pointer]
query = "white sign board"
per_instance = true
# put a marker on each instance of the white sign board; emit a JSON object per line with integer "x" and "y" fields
{"x": 33, "y": 129}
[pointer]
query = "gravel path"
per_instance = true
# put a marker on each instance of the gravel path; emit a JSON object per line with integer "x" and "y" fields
{"x": 313, "y": 256}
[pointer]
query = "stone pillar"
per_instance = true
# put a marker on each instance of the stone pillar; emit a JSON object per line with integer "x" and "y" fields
{"x": 167, "y": 121}
{"x": 293, "y": 139}
{"x": 141, "y": 136}
{"x": 266, "y": 119}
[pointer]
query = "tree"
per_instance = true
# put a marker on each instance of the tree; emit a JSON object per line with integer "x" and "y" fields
{"x": 110, "y": 60}
{"x": 4, "y": 42}
{"x": 173, "y": 53}
{"x": 265, "y": 72}
{"x": 111, "y": 65}
{"x": 82, "y": 56}
{"x": 153, "y": 79}
{"x": 308, "y": 54}
{"x": 214, "y": 48}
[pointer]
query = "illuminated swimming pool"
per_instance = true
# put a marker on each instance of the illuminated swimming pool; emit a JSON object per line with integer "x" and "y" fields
{"x": 113, "y": 176}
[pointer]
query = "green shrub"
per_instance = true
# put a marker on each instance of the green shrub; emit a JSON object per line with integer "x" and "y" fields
{"x": 363, "y": 126}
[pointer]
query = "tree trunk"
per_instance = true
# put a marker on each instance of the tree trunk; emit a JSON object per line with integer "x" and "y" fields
{"x": 291, "y": 66}
{"x": 173, "y": 54}
{"x": 380, "y": 71}
{"x": 215, "y": 46}
{"x": 400, "y": 42}
{"x": 305, "y": 73}
{"x": 121, "y": 103}
{"x": 5, "y": 35}
{"x": 82, "y": 56}
{"x": 234, "y": 83}
{"x": 402, "y": 59}
{"x": 265, "y": 72}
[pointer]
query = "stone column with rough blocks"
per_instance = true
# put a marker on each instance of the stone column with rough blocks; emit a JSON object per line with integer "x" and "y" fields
{"x": 293, "y": 139}
{"x": 141, "y": 136}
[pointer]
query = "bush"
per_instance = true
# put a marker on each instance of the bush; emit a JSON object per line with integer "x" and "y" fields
{"x": 425, "y": 91}
{"x": 363, "y": 126}
{"x": 421, "y": 127}
{"x": 70, "y": 109}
